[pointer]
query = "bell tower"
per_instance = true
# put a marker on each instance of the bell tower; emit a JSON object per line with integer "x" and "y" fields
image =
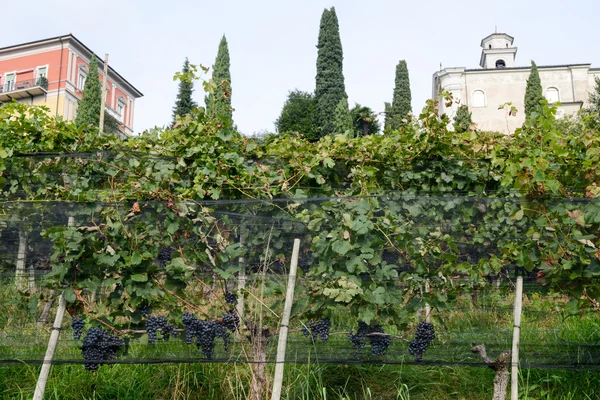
{"x": 497, "y": 51}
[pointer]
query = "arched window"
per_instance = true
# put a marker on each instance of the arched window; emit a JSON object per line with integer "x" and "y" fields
{"x": 500, "y": 64}
{"x": 552, "y": 95}
{"x": 478, "y": 98}
{"x": 490, "y": 46}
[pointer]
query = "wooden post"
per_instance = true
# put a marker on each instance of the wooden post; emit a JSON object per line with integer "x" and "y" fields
{"x": 41, "y": 383}
{"x": 104, "y": 83}
{"x": 45, "y": 371}
{"x": 42, "y": 320}
{"x": 241, "y": 283}
{"x": 20, "y": 274}
{"x": 31, "y": 279}
{"x": 427, "y": 306}
{"x": 285, "y": 320}
{"x": 514, "y": 378}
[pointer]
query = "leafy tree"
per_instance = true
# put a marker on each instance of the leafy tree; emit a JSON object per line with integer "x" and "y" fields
{"x": 388, "y": 116}
{"x": 218, "y": 102}
{"x": 462, "y": 120}
{"x": 330, "y": 87}
{"x": 364, "y": 120}
{"x": 299, "y": 114}
{"x": 401, "y": 106}
{"x": 343, "y": 120}
{"x": 88, "y": 110}
{"x": 533, "y": 92}
{"x": 184, "y": 103}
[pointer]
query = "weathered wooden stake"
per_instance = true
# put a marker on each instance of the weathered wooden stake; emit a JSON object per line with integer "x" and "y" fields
{"x": 514, "y": 381}
{"x": 241, "y": 283}
{"x": 20, "y": 274}
{"x": 427, "y": 306}
{"x": 41, "y": 383}
{"x": 45, "y": 371}
{"x": 104, "y": 83}
{"x": 285, "y": 320}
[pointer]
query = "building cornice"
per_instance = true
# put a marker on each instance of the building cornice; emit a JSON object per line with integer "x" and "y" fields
{"x": 505, "y": 35}
{"x": 487, "y": 70}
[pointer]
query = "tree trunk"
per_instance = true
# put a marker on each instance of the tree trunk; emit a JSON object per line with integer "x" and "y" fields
{"x": 259, "y": 379}
{"x": 500, "y": 365}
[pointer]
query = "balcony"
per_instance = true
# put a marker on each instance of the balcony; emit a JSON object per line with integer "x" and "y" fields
{"x": 23, "y": 89}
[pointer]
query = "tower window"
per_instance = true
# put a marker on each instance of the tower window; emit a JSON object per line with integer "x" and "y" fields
{"x": 490, "y": 46}
{"x": 478, "y": 98}
{"x": 552, "y": 95}
{"x": 500, "y": 64}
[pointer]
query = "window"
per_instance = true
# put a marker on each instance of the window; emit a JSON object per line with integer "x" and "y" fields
{"x": 552, "y": 95}
{"x": 9, "y": 82}
{"x": 42, "y": 76}
{"x": 490, "y": 46}
{"x": 121, "y": 108}
{"x": 81, "y": 81}
{"x": 478, "y": 98}
{"x": 500, "y": 64}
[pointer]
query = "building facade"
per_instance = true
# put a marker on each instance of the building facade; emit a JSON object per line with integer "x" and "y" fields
{"x": 52, "y": 73}
{"x": 499, "y": 81}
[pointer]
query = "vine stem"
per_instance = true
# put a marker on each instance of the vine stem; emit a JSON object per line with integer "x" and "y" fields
{"x": 185, "y": 302}
{"x": 594, "y": 302}
{"x": 212, "y": 291}
{"x": 403, "y": 254}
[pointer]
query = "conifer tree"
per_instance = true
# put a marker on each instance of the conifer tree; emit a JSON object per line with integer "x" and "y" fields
{"x": 88, "y": 109}
{"x": 401, "y": 103}
{"x": 533, "y": 92}
{"x": 184, "y": 103}
{"x": 463, "y": 119}
{"x": 218, "y": 103}
{"x": 342, "y": 119}
{"x": 594, "y": 99}
{"x": 330, "y": 87}
{"x": 388, "y": 117}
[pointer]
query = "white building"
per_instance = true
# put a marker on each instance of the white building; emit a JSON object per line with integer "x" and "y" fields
{"x": 499, "y": 81}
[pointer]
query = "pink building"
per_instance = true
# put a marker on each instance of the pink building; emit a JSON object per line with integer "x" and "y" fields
{"x": 52, "y": 72}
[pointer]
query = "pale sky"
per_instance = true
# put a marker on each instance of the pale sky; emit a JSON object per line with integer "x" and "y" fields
{"x": 272, "y": 43}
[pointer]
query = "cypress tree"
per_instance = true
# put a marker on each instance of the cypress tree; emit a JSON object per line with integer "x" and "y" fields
{"x": 88, "y": 110}
{"x": 401, "y": 103}
{"x": 330, "y": 88}
{"x": 342, "y": 118}
{"x": 388, "y": 116}
{"x": 594, "y": 99}
{"x": 184, "y": 103}
{"x": 533, "y": 92}
{"x": 218, "y": 103}
{"x": 463, "y": 119}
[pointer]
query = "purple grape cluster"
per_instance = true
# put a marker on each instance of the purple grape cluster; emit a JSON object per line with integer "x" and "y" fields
{"x": 99, "y": 346}
{"x": 203, "y": 334}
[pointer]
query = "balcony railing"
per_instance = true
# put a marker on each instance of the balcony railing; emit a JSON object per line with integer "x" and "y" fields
{"x": 23, "y": 88}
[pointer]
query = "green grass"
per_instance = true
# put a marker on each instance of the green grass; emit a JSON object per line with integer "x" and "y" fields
{"x": 547, "y": 336}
